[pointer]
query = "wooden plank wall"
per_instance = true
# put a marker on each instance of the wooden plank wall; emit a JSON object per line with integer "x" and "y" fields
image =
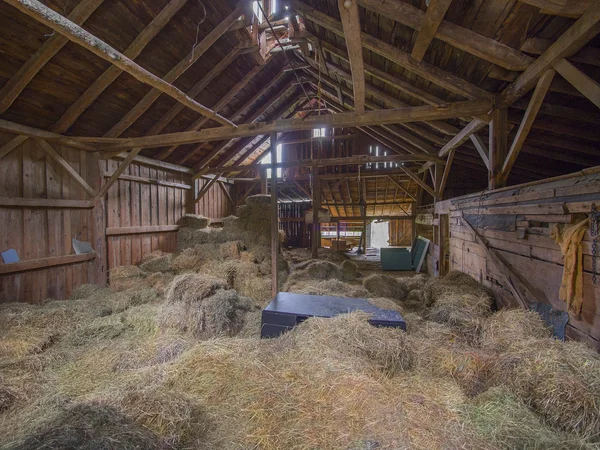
{"x": 214, "y": 204}
{"x": 517, "y": 223}
{"x": 143, "y": 209}
{"x": 400, "y": 232}
{"x": 46, "y": 232}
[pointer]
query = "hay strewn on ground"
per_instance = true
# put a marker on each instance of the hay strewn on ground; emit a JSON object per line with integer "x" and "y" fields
{"x": 173, "y": 360}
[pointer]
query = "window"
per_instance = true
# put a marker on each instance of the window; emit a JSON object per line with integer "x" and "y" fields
{"x": 267, "y": 160}
{"x": 319, "y": 132}
{"x": 257, "y": 11}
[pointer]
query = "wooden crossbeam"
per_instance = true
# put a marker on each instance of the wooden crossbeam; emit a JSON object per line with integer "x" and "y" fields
{"x": 467, "y": 40}
{"x": 571, "y": 41}
{"x": 24, "y": 130}
{"x": 416, "y": 179}
{"x": 530, "y": 114}
{"x": 399, "y": 186}
{"x": 117, "y": 173}
{"x": 351, "y": 26}
{"x": 580, "y": 81}
{"x": 342, "y": 120}
{"x": 481, "y": 149}
{"x": 567, "y": 8}
{"x": 473, "y": 127}
{"x": 11, "y": 145}
{"x": 112, "y": 73}
{"x": 430, "y": 72}
{"x": 429, "y": 26}
{"x": 65, "y": 165}
{"x": 78, "y": 35}
{"x": 13, "y": 87}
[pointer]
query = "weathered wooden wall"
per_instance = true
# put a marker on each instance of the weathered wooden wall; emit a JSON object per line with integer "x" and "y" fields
{"x": 215, "y": 203}
{"x": 517, "y": 222}
{"x": 41, "y": 209}
{"x": 143, "y": 209}
{"x": 400, "y": 232}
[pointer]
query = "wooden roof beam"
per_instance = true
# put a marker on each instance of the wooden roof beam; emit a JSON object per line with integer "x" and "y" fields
{"x": 78, "y": 35}
{"x": 425, "y": 70}
{"x": 13, "y": 87}
{"x": 24, "y": 130}
{"x": 429, "y": 26}
{"x": 342, "y": 120}
{"x": 569, "y": 43}
{"x": 351, "y": 26}
{"x": 566, "y": 8}
{"x": 112, "y": 73}
{"x": 530, "y": 114}
{"x": 587, "y": 55}
{"x": 580, "y": 81}
{"x": 462, "y": 38}
{"x": 473, "y": 127}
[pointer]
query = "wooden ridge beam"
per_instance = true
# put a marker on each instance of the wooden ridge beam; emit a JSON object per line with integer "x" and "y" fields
{"x": 342, "y": 120}
{"x": 65, "y": 165}
{"x": 462, "y": 38}
{"x": 473, "y": 127}
{"x": 112, "y": 73}
{"x": 351, "y": 25}
{"x": 579, "y": 80}
{"x": 569, "y": 43}
{"x": 428, "y": 71}
{"x": 530, "y": 114}
{"x": 13, "y": 87}
{"x": 78, "y": 35}
{"x": 429, "y": 26}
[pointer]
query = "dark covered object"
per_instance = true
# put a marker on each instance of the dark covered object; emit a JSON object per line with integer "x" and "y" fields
{"x": 289, "y": 309}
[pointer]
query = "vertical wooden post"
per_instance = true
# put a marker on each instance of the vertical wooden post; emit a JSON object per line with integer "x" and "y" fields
{"x": 437, "y": 182}
{"x": 274, "y": 219}
{"x": 99, "y": 243}
{"x": 190, "y": 197}
{"x": 263, "y": 181}
{"x": 498, "y": 147}
{"x": 338, "y": 231}
{"x": 316, "y": 235}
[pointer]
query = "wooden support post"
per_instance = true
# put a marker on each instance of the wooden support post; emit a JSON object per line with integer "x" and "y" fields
{"x": 274, "y": 219}
{"x": 316, "y": 235}
{"x": 263, "y": 181}
{"x": 338, "y": 232}
{"x": 498, "y": 147}
{"x": 190, "y": 198}
{"x": 439, "y": 170}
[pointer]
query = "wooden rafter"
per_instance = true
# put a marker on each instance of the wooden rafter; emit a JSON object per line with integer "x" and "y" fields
{"x": 430, "y": 72}
{"x": 112, "y": 73}
{"x": 567, "y": 8}
{"x": 78, "y": 35}
{"x": 467, "y": 40}
{"x": 342, "y": 120}
{"x": 530, "y": 114}
{"x": 580, "y": 81}
{"x": 473, "y": 127}
{"x": 351, "y": 26}
{"x": 429, "y": 26}
{"x": 13, "y": 87}
{"x": 587, "y": 55}
{"x": 571, "y": 41}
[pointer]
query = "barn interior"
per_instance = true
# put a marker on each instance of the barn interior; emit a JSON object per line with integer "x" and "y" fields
{"x": 186, "y": 185}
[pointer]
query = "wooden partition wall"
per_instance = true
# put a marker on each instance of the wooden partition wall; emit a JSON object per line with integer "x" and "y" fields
{"x": 42, "y": 208}
{"x": 516, "y": 224}
{"x": 49, "y": 195}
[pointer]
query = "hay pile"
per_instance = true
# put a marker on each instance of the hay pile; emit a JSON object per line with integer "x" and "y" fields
{"x": 129, "y": 367}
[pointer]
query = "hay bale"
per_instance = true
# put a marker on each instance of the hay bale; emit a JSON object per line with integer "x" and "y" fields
{"x": 384, "y": 286}
{"x": 498, "y": 418}
{"x": 222, "y": 314}
{"x": 157, "y": 261}
{"x": 160, "y": 282}
{"x": 194, "y": 258}
{"x": 559, "y": 380}
{"x": 385, "y": 349}
{"x": 414, "y": 282}
{"x": 194, "y": 221}
{"x": 84, "y": 291}
{"x": 89, "y": 426}
{"x": 329, "y": 287}
{"x": 246, "y": 256}
{"x": 324, "y": 270}
{"x": 505, "y": 327}
{"x": 7, "y": 398}
{"x": 191, "y": 237}
{"x": 190, "y": 288}
{"x": 324, "y": 216}
{"x": 231, "y": 249}
{"x": 349, "y": 270}
{"x": 127, "y": 277}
